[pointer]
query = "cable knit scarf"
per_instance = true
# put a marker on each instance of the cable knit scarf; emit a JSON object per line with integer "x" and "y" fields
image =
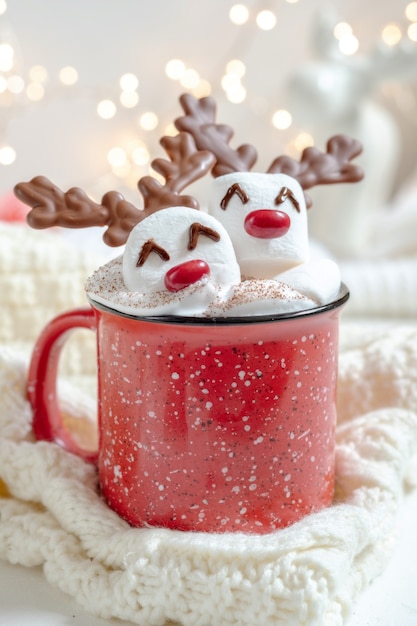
{"x": 307, "y": 574}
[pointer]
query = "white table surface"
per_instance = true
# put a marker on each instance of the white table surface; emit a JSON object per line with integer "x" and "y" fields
{"x": 26, "y": 599}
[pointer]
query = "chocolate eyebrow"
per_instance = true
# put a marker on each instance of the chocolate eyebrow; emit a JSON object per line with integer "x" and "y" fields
{"x": 234, "y": 189}
{"x": 197, "y": 229}
{"x": 286, "y": 194}
{"x": 148, "y": 247}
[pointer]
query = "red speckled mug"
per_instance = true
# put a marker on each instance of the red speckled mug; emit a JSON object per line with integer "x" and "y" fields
{"x": 204, "y": 425}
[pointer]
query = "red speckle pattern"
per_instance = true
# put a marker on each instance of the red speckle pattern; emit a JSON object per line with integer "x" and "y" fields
{"x": 217, "y": 428}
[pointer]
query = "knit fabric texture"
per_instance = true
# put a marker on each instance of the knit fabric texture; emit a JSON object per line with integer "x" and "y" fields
{"x": 42, "y": 275}
{"x": 308, "y": 574}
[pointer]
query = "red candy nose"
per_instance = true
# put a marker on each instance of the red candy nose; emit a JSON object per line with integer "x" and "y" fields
{"x": 186, "y": 274}
{"x": 267, "y": 223}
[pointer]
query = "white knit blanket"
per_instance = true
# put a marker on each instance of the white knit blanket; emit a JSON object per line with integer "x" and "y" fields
{"x": 308, "y": 574}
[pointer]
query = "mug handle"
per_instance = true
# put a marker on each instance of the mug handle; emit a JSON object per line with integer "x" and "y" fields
{"x": 48, "y": 423}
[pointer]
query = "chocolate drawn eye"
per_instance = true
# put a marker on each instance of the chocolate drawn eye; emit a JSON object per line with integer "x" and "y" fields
{"x": 286, "y": 194}
{"x": 196, "y": 230}
{"x": 148, "y": 247}
{"x": 234, "y": 189}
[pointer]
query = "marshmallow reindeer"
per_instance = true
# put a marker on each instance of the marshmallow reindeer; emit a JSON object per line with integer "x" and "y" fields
{"x": 266, "y": 218}
{"x": 177, "y": 258}
{"x": 175, "y": 255}
{"x": 256, "y": 228}
{"x": 266, "y": 214}
{"x": 173, "y": 249}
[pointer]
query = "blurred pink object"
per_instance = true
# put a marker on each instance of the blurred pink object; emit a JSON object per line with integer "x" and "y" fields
{"x": 12, "y": 209}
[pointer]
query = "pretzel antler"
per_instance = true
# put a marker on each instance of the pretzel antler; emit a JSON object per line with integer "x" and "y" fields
{"x": 186, "y": 165}
{"x": 74, "y": 209}
{"x": 323, "y": 168}
{"x": 199, "y": 121}
{"x": 314, "y": 168}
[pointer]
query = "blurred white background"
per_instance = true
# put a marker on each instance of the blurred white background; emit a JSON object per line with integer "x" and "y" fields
{"x": 320, "y": 80}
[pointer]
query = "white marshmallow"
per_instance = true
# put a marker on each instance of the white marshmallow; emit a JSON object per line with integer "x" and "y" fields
{"x": 170, "y": 229}
{"x": 318, "y": 280}
{"x": 262, "y": 258}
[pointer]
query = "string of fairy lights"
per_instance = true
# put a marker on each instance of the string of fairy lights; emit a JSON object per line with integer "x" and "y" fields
{"x": 18, "y": 91}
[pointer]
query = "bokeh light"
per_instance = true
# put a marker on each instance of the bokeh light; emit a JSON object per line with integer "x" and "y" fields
{"x": 391, "y": 34}
{"x": 236, "y": 66}
{"x": 140, "y": 155}
{"x": 239, "y": 14}
{"x": 35, "y": 92}
{"x": 412, "y": 31}
{"x": 282, "y": 119}
{"x": 129, "y": 82}
{"x": 106, "y": 109}
{"x": 175, "y": 69}
{"x": 148, "y": 120}
{"x": 342, "y": 29}
{"x": 348, "y": 45}
{"x": 6, "y": 57}
{"x": 190, "y": 78}
{"x": 202, "y": 89}
{"x": 15, "y": 84}
{"x": 38, "y": 74}
{"x": 129, "y": 99}
{"x": 68, "y": 75}
{"x": 266, "y": 20}
{"x": 117, "y": 157}
{"x": 411, "y": 11}
{"x": 237, "y": 94}
{"x": 7, "y": 155}
{"x": 302, "y": 141}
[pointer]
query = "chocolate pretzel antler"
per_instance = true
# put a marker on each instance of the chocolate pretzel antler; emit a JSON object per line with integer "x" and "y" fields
{"x": 74, "y": 209}
{"x": 314, "y": 168}
{"x": 323, "y": 168}
{"x": 187, "y": 165}
{"x": 199, "y": 121}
